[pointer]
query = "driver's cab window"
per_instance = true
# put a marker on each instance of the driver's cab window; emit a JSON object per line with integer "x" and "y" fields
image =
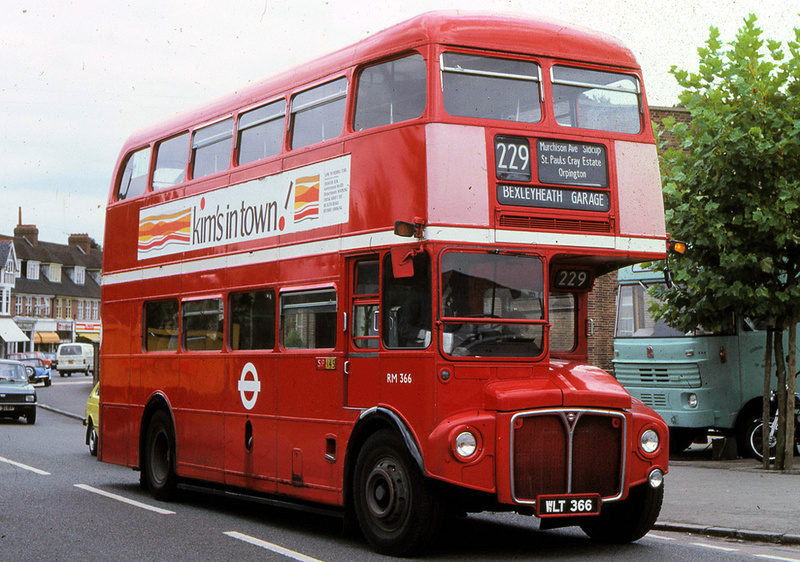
{"x": 407, "y": 305}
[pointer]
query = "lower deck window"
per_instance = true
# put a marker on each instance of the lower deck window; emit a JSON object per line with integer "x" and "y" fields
{"x": 308, "y": 319}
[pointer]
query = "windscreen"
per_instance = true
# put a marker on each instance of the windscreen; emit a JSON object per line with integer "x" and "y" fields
{"x": 492, "y": 304}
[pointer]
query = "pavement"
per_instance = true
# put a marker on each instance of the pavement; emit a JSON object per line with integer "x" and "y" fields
{"x": 731, "y": 498}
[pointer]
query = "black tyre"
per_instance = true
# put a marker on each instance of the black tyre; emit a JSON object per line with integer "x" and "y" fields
{"x": 91, "y": 439}
{"x": 47, "y": 381}
{"x": 398, "y": 510}
{"x": 628, "y": 520}
{"x": 159, "y": 457}
{"x": 680, "y": 440}
{"x": 755, "y": 441}
{"x": 30, "y": 417}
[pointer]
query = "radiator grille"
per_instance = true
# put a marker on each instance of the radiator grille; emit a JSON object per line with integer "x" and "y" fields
{"x": 554, "y": 455}
{"x": 553, "y": 223}
{"x": 654, "y": 399}
{"x": 673, "y": 375}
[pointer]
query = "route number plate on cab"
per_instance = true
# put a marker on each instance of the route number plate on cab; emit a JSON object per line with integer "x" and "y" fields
{"x": 559, "y": 506}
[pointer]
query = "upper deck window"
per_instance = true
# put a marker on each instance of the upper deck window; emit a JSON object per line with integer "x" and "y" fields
{"x": 171, "y": 161}
{"x": 593, "y": 99}
{"x": 211, "y": 148}
{"x": 134, "y": 176}
{"x": 318, "y": 113}
{"x": 261, "y": 132}
{"x": 491, "y": 88}
{"x": 391, "y": 92}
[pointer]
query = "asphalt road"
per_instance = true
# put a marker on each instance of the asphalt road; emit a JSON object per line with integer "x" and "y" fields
{"x": 58, "y": 503}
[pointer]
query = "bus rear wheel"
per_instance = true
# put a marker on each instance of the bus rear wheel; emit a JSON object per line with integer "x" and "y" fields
{"x": 628, "y": 520}
{"x": 159, "y": 457}
{"x": 398, "y": 510}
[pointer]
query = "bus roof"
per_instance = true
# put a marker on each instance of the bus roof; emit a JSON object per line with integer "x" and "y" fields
{"x": 527, "y": 35}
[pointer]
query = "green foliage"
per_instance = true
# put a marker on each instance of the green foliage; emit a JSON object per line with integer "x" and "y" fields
{"x": 732, "y": 187}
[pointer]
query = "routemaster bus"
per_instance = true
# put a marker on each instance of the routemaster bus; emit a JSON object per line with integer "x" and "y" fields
{"x": 703, "y": 382}
{"x": 362, "y": 284}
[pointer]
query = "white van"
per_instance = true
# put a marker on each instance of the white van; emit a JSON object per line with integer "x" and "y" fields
{"x": 74, "y": 357}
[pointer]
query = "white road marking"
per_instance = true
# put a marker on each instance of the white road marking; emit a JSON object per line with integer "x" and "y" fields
{"x": 270, "y": 546}
{"x": 659, "y": 537}
{"x": 25, "y": 466}
{"x": 780, "y": 558}
{"x": 124, "y": 500}
{"x": 715, "y": 547}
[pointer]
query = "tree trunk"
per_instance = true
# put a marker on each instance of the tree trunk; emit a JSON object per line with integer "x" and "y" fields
{"x": 780, "y": 364}
{"x": 790, "y": 389}
{"x": 765, "y": 396}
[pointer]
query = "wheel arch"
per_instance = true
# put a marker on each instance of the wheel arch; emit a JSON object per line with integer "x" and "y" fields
{"x": 155, "y": 403}
{"x": 369, "y": 422}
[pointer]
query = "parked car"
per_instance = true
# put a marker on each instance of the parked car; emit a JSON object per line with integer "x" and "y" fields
{"x": 92, "y": 419}
{"x": 36, "y": 371}
{"x": 17, "y": 396}
{"x": 50, "y": 356}
{"x": 75, "y": 357}
{"x": 31, "y": 355}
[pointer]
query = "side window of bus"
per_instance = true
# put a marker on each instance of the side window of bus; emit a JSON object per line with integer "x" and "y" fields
{"x": 365, "y": 305}
{"x": 261, "y": 132}
{"x": 252, "y": 320}
{"x": 134, "y": 177}
{"x": 202, "y": 324}
{"x": 171, "y": 157}
{"x": 592, "y": 99}
{"x": 491, "y": 88}
{"x": 160, "y": 325}
{"x": 211, "y": 148}
{"x": 318, "y": 114}
{"x": 562, "y": 309}
{"x": 308, "y": 319}
{"x": 407, "y": 305}
{"x": 390, "y": 92}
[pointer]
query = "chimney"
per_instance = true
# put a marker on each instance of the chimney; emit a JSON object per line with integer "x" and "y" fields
{"x": 27, "y": 232}
{"x": 81, "y": 241}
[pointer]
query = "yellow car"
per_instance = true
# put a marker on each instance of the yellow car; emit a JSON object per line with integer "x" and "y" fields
{"x": 92, "y": 419}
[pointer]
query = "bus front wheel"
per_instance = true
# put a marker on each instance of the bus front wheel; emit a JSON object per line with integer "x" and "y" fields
{"x": 628, "y": 520}
{"x": 398, "y": 510}
{"x": 159, "y": 457}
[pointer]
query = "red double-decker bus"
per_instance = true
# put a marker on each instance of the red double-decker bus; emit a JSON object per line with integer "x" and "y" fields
{"x": 363, "y": 284}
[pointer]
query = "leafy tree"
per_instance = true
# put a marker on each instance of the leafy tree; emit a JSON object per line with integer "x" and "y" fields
{"x": 732, "y": 191}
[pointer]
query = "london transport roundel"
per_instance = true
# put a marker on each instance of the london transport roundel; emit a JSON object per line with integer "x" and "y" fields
{"x": 249, "y": 386}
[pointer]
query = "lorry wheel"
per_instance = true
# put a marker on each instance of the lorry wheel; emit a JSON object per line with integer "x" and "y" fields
{"x": 628, "y": 520}
{"x": 398, "y": 510}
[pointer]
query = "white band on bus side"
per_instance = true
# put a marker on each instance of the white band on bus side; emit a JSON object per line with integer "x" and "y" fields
{"x": 387, "y": 238}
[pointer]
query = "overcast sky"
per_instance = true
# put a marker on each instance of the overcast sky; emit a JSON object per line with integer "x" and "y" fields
{"x": 77, "y": 77}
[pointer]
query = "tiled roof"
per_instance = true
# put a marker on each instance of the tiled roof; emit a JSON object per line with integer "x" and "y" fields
{"x": 50, "y": 252}
{"x": 90, "y": 289}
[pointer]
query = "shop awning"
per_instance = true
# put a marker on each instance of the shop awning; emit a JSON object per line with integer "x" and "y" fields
{"x": 46, "y": 337}
{"x": 89, "y": 336}
{"x": 10, "y": 332}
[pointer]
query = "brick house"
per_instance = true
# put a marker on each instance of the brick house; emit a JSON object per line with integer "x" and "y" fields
{"x": 56, "y": 295}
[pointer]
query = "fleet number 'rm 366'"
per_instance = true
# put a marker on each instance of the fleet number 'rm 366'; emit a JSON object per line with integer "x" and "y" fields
{"x": 401, "y": 378}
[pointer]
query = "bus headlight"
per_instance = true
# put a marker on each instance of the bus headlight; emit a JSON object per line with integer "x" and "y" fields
{"x": 691, "y": 400}
{"x": 656, "y": 478}
{"x": 649, "y": 441}
{"x": 465, "y": 445}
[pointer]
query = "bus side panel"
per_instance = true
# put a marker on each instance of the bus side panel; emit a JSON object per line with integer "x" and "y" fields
{"x": 394, "y": 158}
{"x": 199, "y": 421}
{"x": 309, "y": 404}
{"x": 250, "y": 399}
{"x": 115, "y": 395}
